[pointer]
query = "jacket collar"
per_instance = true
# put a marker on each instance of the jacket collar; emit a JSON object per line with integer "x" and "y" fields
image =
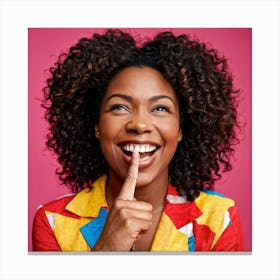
{"x": 179, "y": 210}
{"x": 88, "y": 202}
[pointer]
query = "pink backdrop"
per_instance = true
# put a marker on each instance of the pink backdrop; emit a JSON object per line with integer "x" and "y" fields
{"x": 44, "y": 46}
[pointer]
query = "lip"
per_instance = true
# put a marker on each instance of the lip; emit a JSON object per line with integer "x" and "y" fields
{"x": 142, "y": 164}
{"x": 136, "y": 142}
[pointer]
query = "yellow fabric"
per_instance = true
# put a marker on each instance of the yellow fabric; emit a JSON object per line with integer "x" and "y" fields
{"x": 168, "y": 238}
{"x": 68, "y": 235}
{"x": 87, "y": 203}
{"x": 213, "y": 208}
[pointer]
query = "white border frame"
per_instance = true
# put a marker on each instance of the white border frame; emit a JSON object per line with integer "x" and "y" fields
{"x": 17, "y": 16}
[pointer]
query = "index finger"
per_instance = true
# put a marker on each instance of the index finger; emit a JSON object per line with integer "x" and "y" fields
{"x": 128, "y": 188}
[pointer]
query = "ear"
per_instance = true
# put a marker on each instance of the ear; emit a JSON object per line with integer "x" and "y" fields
{"x": 96, "y": 131}
{"x": 180, "y": 135}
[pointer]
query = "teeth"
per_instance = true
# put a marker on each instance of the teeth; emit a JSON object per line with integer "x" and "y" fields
{"x": 140, "y": 148}
{"x": 145, "y": 158}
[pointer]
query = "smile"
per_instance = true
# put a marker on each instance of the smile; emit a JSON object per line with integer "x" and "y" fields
{"x": 145, "y": 150}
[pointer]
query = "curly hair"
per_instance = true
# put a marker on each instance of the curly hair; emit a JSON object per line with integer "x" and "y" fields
{"x": 201, "y": 81}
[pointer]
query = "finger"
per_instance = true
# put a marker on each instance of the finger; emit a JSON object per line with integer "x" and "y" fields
{"x": 133, "y": 205}
{"x": 137, "y": 226}
{"x": 126, "y": 213}
{"x": 128, "y": 188}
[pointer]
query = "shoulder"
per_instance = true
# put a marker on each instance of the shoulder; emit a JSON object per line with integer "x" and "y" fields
{"x": 214, "y": 200}
{"x": 57, "y": 205}
{"x": 214, "y": 206}
{"x": 215, "y": 209}
{"x": 219, "y": 220}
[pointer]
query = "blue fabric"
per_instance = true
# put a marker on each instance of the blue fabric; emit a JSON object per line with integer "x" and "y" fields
{"x": 92, "y": 230}
{"x": 213, "y": 193}
{"x": 191, "y": 243}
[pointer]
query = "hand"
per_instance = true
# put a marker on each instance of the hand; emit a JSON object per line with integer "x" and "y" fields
{"x": 128, "y": 218}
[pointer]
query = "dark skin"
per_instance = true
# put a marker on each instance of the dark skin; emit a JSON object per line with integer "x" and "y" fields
{"x": 139, "y": 130}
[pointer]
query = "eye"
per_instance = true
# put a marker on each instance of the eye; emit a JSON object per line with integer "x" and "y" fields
{"x": 162, "y": 108}
{"x": 119, "y": 107}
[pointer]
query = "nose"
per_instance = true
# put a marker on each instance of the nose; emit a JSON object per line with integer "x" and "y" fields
{"x": 139, "y": 123}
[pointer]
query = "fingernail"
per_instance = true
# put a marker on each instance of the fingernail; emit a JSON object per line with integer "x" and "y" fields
{"x": 135, "y": 153}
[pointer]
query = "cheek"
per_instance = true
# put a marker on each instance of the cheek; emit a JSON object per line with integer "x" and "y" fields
{"x": 170, "y": 130}
{"x": 108, "y": 131}
{"x": 171, "y": 136}
{"x": 109, "y": 127}
{"x": 170, "y": 143}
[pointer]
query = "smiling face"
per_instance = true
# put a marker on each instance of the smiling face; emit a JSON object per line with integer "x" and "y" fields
{"x": 139, "y": 111}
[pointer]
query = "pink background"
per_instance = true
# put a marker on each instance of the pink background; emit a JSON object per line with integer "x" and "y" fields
{"x": 44, "y": 46}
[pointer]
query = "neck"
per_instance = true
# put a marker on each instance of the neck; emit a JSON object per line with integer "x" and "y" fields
{"x": 154, "y": 192}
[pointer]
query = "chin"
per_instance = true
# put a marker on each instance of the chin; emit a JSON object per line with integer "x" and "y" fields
{"x": 148, "y": 179}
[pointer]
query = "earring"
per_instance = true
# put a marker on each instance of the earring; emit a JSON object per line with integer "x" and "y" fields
{"x": 97, "y": 132}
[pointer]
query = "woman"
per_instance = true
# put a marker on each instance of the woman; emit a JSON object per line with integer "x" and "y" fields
{"x": 142, "y": 132}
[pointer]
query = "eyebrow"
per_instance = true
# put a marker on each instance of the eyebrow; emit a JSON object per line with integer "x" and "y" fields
{"x": 158, "y": 97}
{"x": 129, "y": 98}
{"x": 123, "y": 96}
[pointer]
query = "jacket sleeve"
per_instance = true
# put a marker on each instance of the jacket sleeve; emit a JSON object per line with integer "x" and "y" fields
{"x": 232, "y": 237}
{"x": 43, "y": 237}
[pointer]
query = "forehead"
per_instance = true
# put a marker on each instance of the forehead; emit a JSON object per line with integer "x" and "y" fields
{"x": 140, "y": 80}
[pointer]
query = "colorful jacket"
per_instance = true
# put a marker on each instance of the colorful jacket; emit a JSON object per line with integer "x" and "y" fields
{"x": 74, "y": 222}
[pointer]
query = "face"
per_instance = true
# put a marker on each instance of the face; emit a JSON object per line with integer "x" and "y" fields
{"x": 139, "y": 109}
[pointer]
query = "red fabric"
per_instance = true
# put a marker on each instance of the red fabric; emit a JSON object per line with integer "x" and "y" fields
{"x": 43, "y": 237}
{"x": 231, "y": 239}
{"x": 172, "y": 190}
{"x": 203, "y": 237}
{"x": 182, "y": 214}
{"x": 59, "y": 206}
